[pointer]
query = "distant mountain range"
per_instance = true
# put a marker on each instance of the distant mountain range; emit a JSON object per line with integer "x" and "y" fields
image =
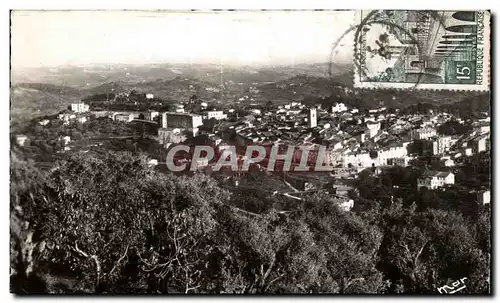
{"x": 45, "y": 94}
{"x": 94, "y": 75}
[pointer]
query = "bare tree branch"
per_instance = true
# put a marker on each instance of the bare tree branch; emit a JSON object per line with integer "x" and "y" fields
{"x": 119, "y": 260}
{"x": 93, "y": 257}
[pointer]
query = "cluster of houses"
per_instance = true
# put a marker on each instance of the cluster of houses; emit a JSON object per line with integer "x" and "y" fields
{"x": 355, "y": 140}
{"x": 359, "y": 140}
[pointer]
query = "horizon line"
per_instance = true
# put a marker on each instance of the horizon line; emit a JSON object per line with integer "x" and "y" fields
{"x": 12, "y": 66}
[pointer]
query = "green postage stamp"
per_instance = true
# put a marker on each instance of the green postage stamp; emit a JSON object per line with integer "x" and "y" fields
{"x": 422, "y": 49}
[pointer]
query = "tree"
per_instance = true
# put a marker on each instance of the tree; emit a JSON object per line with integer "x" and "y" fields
{"x": 110, "y": 210}
{"x": 26, "y": 193}
{"x": 350, "y": 245}
{"x": 269, "y": 254}
{"x": 453, "y": 127}
{"x": 76, "y": 135}
{"x": 111, "y": 223}
{"x": 425, "y": 250}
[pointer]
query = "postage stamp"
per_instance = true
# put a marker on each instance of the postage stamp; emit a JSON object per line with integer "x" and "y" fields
{"x": 422, "y": 49}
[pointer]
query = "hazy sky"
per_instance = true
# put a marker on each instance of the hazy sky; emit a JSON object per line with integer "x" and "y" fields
{"x": 52, "y": 38}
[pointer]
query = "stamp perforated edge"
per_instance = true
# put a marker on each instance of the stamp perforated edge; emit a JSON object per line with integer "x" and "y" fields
{"x": 485, "y": 86}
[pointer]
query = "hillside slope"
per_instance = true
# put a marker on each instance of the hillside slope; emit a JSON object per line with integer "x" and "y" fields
{"x": 28, "y": 101}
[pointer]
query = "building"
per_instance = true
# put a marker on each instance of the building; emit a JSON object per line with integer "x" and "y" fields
{"x": 152, "y": 162}
{"x": 433, "y": 180}
{"x": 449, "y": 163}
{"x": 44, "y": 122}
{"x": 81, "y": 119}
{"x": 395, "y": 151}
{"x": 186, "y": 121}
{"x": 372, "y": 128}
{"x": 424, "y": 133}
{"x": 398, "y": 161}
{"x": 65, "y": 139}
{"x": 179, "y": 108}
{"x": 79, "y": 107}
{"x": 441, "y": 145}
{"x": 256, "y": 112}
{"x": 124, "y": 117}
{"x": 312, "y": 118}
{"x": 334, "y": 144}
{"x": 339, "y": 108}
{"x": 479, "y": 144}
{"x": 377, "y": 110}
{"x": 484, "y": 128}
{"x": 169, "y": 135}
{"x": 150, "y": 115}
{"x": 214, "y": 114}
{"x": 150, "y": 96}
{"x": 101, "y": 114}
{"x": 345, "y": 205}
{"x": 484, "y": 197}
{"x": 362, "y": 137}
{"x": 66, "y": 117}
{"x": 21, "y": 139}
{"x": 359, "y": 160}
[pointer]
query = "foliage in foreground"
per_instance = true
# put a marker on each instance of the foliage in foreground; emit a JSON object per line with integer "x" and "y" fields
{"x": 112, "y": 224}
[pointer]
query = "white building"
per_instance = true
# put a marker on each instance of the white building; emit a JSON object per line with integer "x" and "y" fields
{"x": 256, "y": 112}
{"x": 21, "y": 139}
{"x": 484, "y": 129}
{"x": 393, "y": 152}
{"x": 66, "y": 117}
{"x": 150, "y": 115}
{"x": 433, "y": 180}
{"x": 214, "y": 114}
{"x": 424, "y": 133}
{"x": 124, "y": 117}
{"x": 153, "y": 162}
{"x": 373, "y": 128}
{"x": 359, "y": 160}
{"x": 150, "y": 96}
{"x": 479, "y": 144}
{"x": 79, "y": 107}
{"x": 312, "y": 118}
{"x": 65, "y": 139}
{"x": 346, "y": 205}
{"x": 378, "y": 110}
{"x": 179, "y": 108}
{"x": 441, "y": 145}
{"x": 81, "y": 119}
{"x": 449, "y": 163}
{"x": 44, "y": 122}
{"x": 339, "y": 107}
{"x": 484, "y": 197}
{"x": 186, "y": 121}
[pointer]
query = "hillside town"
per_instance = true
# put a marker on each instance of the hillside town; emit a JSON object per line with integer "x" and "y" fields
{"x": 355, "y": 140}
{"x": 250, "y": 152}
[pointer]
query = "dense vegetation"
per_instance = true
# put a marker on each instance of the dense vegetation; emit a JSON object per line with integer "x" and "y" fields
{"x": 113, "y": 224}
